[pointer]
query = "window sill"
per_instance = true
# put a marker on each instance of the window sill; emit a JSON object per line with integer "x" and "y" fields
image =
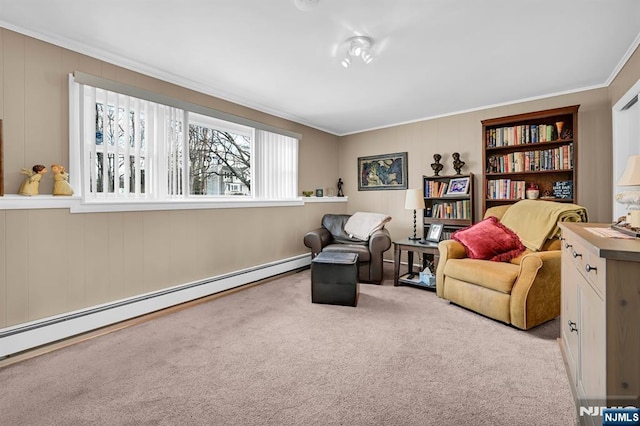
{"x": 75, "y": 204}
{"x": 325, "y": 199}
{"x": 25, "y": 202}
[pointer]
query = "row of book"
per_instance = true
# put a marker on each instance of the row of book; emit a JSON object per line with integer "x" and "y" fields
{"x": 434, "y": 189}
{"x": 523, "y": 134}
{"x": 451, "y": 210}
{"x": 506, "y": 189}
{"x": 446, "y": 234}
{"x": 560, "y": 158}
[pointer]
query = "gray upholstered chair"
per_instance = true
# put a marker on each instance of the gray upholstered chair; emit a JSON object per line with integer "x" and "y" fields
{"x": 331, "y": 236}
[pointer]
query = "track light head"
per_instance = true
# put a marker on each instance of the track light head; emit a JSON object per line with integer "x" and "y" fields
{"x": 357, "y": 47}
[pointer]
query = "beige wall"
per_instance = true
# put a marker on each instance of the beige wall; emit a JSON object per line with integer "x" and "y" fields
{"x": 52, "y": 261}
{"x": 463, "y": 133}
{"x": 626, "y": 78}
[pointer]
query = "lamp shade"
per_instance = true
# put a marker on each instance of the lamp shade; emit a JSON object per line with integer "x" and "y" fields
{"x": 414, "y": 199}
{"x": 631, "y": 175}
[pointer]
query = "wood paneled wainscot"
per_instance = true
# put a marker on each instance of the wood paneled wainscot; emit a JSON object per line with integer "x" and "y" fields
{"x": 600, "y": 338}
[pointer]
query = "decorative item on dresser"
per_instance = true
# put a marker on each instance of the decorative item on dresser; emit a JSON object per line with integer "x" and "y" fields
{"x": 537, "y": 148}
{"x": 600, "y": 318}
{"x": 631, "y": 177}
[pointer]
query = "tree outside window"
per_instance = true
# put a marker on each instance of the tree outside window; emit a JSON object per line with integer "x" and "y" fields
{"x": 219, "y": 162}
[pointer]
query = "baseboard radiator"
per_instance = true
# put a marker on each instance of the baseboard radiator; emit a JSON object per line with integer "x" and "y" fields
{"x": 30, "y": 335}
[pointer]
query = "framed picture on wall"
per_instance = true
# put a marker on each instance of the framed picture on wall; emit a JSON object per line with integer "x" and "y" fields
{"x": 388, "y": 171}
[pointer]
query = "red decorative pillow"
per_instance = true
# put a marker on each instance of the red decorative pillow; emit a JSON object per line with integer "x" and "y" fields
{"x": 489, "y": 240}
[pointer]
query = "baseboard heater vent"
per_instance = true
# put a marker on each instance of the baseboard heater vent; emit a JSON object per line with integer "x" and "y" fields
{"x": 37, "y": 333}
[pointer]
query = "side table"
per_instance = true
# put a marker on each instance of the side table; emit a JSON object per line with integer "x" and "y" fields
{"x": 412, "y": 246}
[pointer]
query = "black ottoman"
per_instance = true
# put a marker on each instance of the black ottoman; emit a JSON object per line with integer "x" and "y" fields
{"x": 334, "y": 278}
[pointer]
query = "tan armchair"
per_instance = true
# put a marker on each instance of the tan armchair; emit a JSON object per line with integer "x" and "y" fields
{"x": 331, "y": 236}
{"x": 523, "y": 292}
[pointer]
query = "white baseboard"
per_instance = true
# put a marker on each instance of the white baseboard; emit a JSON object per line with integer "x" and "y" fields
{"x": 30, "y": 335}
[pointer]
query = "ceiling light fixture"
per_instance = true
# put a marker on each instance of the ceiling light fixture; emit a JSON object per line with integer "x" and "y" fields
{"x": 357, "y": 47}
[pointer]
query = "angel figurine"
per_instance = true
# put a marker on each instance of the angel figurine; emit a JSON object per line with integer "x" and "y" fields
{"x": 31, "y": 184}
{"x": 60, "y": 181}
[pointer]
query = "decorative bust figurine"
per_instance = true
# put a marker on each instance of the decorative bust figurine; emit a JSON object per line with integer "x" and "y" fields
{"x": 436, "y": 166}
{"x": 60, "y": 181}
{"x": 457, "y": 163}
{"x": 31, "y": 184}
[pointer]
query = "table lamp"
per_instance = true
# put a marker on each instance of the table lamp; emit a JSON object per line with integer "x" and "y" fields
{"x": 414, "y": 201}
{"x": 631, "y": 177}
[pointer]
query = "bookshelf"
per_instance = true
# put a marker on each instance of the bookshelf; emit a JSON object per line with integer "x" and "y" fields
{"x": 537, "y": 148}
{"x": 448, "y": 203}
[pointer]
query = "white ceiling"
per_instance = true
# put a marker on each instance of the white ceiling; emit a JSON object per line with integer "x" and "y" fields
{"x": 432, "y": 57}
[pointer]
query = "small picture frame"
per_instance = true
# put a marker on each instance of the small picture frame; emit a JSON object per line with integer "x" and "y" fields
{"x": 435, "y": 232}
{"x": 319, "y": 193}
{"x": 458, "y": 186}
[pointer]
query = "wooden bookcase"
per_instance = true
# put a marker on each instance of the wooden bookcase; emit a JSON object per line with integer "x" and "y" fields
{"x": 537, "y": 148}
{"x": 453, "y": 211}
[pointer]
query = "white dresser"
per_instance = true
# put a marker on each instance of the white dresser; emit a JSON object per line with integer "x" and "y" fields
{"x": 600, "y": 313}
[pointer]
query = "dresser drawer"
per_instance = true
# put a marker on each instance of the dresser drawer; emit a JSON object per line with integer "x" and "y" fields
{"x": 581, "y": 255}
{"x": 596, "y": 272}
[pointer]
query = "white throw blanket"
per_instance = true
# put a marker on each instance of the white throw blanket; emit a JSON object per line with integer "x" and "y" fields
{"x": 362, "y": 224}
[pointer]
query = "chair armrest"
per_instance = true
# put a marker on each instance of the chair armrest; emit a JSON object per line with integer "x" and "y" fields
{"x": 379, "y": 242}
{"x": 316, "y": 240}
{"x": 449, "y": 249}
{"x": 535, "y": 296}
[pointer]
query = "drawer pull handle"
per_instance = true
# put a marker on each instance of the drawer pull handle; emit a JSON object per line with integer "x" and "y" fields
{"x": 576, "y": 254}
{"x": 567, "y": 245}
{"x": 572, "y": 326}
{"x": 562, "y": 238}
{"x": 590, "y": 268}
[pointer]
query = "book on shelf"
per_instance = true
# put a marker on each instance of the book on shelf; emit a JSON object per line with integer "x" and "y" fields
{"x": 560, "y": 158}
{"x": 505, "y": 189}
{"x": 435, "y": 189}
{"x": 520, "y": 135}
{"x": 460, "y": 209}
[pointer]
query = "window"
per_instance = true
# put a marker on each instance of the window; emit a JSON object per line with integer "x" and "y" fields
{"x": 116, "y": 156}
{"x": 219, "y": 157}
{"x": 148, "y": 147}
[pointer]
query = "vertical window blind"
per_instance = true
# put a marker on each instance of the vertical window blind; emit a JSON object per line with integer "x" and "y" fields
{"x": 133, "y": 148}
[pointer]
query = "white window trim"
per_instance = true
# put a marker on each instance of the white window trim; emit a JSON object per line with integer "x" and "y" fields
{"x": 77, "y": 203}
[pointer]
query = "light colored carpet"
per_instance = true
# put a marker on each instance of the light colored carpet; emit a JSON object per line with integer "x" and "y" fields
{"x": 268, "y": 356}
